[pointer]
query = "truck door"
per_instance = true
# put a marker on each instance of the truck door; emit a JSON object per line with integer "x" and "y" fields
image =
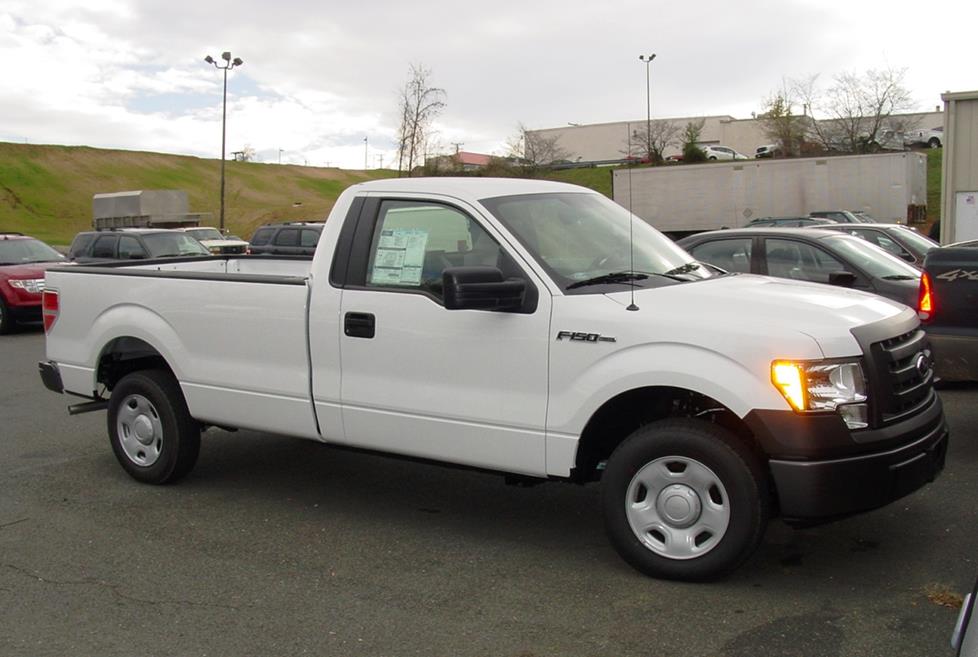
{"x": 465, "y": 386}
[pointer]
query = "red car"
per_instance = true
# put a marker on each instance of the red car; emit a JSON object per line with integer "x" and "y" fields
{"x": 22, "y": 263}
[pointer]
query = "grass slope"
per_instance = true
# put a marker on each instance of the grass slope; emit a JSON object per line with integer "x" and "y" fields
{"x": 46, "y": 191}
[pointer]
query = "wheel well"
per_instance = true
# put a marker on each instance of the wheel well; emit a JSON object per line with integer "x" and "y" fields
{"x": 620, "y": 416}
{"x": 124, "y": 355}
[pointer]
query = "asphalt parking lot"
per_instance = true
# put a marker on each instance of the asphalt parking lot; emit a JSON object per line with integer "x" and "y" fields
{"x": 276, "y": 546}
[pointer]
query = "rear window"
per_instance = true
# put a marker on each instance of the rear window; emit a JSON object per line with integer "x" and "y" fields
{"x": 262, "y": 236}
{"x": 310, "y": 237}
{"x": 80, "y": 244}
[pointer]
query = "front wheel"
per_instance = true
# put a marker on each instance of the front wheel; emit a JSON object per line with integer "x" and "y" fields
{"x": 151, "y": 430}
{"x": 684, "y": 499}
{"x": 6, "y": 319}
{"x": 934, "y": 142}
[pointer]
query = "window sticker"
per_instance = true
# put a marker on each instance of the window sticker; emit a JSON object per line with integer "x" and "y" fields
{"x": 400, "y": 257}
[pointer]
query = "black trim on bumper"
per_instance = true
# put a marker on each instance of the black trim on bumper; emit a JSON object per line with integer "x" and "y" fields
{"x": 815, "y": 491}
{"x": 51, "y": 376}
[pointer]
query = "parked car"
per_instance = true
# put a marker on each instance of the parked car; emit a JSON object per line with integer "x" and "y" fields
{"x": 767, "y": 150}
{"x": 133, "y": 244}
{"x": 808, "y": 254}
{"x": 298, "y": 238}
{"x": 902, "y": 241}
{"x": 838, "y": 216}
{"x": 932, "y": 138}
{"x": 507, "y": 325}
{"x": 215, "y": 242}
{"x": 23, "y": 260}
{"x": 714, "y": 152}
{"x": 788, "y": 222}
{"x": 948, "y": 307}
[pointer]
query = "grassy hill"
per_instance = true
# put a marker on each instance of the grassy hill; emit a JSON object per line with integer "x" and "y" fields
{"x": 46, "y": 191}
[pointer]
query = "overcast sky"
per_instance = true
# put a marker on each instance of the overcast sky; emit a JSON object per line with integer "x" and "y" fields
{"x": 320, "y": 76}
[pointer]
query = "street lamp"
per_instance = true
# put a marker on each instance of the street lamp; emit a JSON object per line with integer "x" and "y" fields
{"x": 228, "y": 65}
{"x": 648, "y": 101}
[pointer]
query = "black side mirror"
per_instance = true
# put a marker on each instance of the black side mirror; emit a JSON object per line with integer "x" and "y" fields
{"x": 842, "y": 278}
{"x": 481, "y": 288}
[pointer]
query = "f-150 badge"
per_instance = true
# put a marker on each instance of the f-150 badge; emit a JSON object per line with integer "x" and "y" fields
{"x": 575, "y": 336}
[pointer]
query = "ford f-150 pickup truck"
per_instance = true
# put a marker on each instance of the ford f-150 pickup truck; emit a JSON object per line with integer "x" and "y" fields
{"x": 532, "y": 328}
{"x": 948, "y": 306}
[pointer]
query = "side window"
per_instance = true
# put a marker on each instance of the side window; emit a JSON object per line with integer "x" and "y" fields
{"x": 731, "y": 254}
{"x": 310, "y": 238}
{"x": 262, "y": 236}
{"x": 129, "y": 247}
{"x": 414, "y": 242}
{"x": 800, "y": 261}
{"x": 882, "y": 241}
{"x": 287, "y": 237}
{"x": 104, "y": 246}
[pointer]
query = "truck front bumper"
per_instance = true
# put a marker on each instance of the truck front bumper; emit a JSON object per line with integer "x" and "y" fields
{"x": 883, "y": 464}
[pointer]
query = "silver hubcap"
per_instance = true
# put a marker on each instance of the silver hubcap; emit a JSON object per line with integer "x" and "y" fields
{"x": 140, "y": 430}
{"x": 677, "y": 507}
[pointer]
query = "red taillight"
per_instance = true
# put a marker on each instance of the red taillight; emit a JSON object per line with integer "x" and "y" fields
{"x": 49, "y": 308}
{"x": 925, "y": 298}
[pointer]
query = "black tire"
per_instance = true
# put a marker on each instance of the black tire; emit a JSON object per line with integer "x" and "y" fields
{"x": 934, "y": 142}
{"x": 743, "y": 495}
{"x": 153, "y": 399}
{"x": 6, "y": 319}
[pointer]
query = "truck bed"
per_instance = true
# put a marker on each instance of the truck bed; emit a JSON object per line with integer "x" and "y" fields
{"x": 232, "y": 328}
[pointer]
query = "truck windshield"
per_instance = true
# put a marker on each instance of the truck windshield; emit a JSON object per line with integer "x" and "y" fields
{"x": 168, "y": 245}
{"x": 206, "y": 234}
{"x": 578, "y": 237}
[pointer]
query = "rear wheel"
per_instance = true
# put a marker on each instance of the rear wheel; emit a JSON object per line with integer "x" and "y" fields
{"x": 150, "y": 428}
{"x": 934, "y": 142}
{"x": 684, "y": 499}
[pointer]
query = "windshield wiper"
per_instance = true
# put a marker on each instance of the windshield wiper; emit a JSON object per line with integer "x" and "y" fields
{"x": 898, "y": 277}
{"x": 682, "y": 269}
{"x": 612, "y": 277}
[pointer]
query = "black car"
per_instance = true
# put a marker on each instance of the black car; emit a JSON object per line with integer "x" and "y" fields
{"x": 788, "y": 222}
{"x": 903, "y": 242}
{"x": 808, "y": 254}
{"x": 291, "y": 238}
{"x": 133, "y": 244}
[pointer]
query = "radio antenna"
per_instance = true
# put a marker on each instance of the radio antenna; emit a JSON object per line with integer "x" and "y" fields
{"x": 631, "y": 221}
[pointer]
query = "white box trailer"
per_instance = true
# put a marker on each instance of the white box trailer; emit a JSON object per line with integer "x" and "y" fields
{"x": 145, "y": 208}
{"x": 697, "y": 197}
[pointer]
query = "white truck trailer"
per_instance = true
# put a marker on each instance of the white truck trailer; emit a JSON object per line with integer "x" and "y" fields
{"x": 685, "y": 199}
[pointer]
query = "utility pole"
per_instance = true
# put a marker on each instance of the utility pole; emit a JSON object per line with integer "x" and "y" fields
{"x": 458, "y": 145}
{"x": 280, "y": 151}
{"x": 365, "y": 166}
{"x": 380, "y": 161}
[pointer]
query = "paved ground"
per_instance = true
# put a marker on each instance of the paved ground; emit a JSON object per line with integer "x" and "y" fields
{"x": 283, "y": 547}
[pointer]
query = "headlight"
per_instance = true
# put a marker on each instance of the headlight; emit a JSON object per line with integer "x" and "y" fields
{"x": 32, "y": 285}
{"x": 824, "y": 386}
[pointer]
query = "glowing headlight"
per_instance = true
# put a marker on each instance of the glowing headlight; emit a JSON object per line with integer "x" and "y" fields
{"x": 32, "y": 285}
{"x": 824, "y": 386}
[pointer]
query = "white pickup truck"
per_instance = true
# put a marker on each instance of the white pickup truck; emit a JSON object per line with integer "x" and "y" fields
{"x": 531, "y": 328}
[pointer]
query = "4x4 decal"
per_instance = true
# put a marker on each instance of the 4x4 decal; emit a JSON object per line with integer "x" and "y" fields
{"x": 957, "y": 274}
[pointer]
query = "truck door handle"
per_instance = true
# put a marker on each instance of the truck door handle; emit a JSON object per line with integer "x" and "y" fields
{"x": 359, "y": 325}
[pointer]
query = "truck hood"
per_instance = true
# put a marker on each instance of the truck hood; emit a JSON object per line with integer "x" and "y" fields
{"x": 825, "y": 313}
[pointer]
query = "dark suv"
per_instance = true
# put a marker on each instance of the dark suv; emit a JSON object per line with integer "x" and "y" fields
{"x": 132, "y": 244}
{"x": 290, "y": 238}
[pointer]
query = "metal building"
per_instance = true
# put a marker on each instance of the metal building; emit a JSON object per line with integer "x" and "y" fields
{"x": 959, "y": 211}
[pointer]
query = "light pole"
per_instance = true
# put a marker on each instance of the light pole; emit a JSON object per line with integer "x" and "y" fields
{"x": 228, "y": 65}
{"x": 648, "y": 101}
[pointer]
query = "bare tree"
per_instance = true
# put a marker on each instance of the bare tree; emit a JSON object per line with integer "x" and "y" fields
{"x": 535, "y": 149}
{"x": 652, "y": 139}
{"x": 691, "y": 141}
{"x": 857, "y": 109}
{"x": 419, "y": 104}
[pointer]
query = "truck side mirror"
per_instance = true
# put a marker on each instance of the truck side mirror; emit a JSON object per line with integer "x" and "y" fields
{"x": 481, "y": 288}
{"x": 842, "y": 278}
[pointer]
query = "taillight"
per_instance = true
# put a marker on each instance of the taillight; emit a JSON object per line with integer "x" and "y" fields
{"x": 49, "y": 308}
{"x": 925, "y": 298}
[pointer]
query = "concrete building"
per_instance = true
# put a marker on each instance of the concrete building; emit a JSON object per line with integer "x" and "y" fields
{"x": 959, "y": 193}
{"x": 609, "y": 141}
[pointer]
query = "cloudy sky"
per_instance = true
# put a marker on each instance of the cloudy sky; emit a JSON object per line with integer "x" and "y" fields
{"x": 320, "y": 76}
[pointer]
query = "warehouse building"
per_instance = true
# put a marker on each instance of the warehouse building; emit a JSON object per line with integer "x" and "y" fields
{"x": 959, "y": 214}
